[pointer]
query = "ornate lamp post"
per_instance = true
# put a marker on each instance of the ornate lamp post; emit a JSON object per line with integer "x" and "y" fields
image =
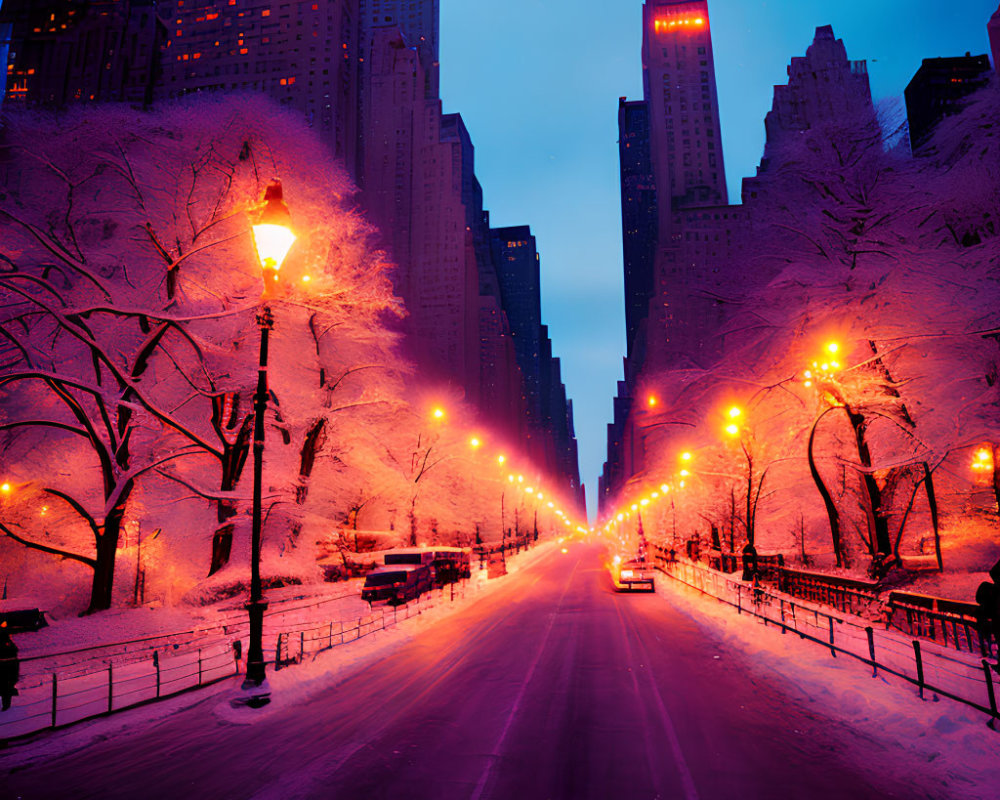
{"x": 272, "y": 238}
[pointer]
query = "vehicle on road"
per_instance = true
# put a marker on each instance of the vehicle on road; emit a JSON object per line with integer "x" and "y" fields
{"x": 632, "y": 576}
{"x": 448, "y": 564}
{"x": 399, "y": 583}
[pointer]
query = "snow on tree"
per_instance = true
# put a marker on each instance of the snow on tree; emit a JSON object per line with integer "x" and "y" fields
{"x": 894, "y": 260}
{"x": 129, "y": 343}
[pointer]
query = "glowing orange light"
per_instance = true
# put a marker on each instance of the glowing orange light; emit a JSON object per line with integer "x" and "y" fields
{"x": 734, "y": 412}
{"x": 474, "y": 442}
{"x": 5, "y": 487}
{"x": 664, "y": 488}
{"x": 652, "y": 401}
{"x": 732, "y": 430}
{"x": 677, "y": 23}
{"x": 272, "y": 236}
{"x": 685, "y": 456}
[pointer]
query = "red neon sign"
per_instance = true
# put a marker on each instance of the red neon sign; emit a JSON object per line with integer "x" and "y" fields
{"x": 678, "y": 23}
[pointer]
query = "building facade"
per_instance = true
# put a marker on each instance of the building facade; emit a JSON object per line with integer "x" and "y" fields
{"x": 85, "y": 51}
{"x": 939, "y": 89}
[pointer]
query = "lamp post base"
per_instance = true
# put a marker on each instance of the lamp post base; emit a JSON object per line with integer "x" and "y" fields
{"x": 251, "y": 695}
{"x": 255, "y": 682}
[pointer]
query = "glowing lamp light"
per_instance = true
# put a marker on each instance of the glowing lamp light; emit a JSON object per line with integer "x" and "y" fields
{"x": 685, "y": 473}
{"x": 272, "y": 233}
{"x": 520, "y": 479}
{"x": 733, "y": 429}
{"x": 664, "y": 488}
{"x": 685, "y": 456}
{"x": 510, "y": 478}
{"x": 635, "y": 507}
{"x": 501, "y": 459}
{"x": 438, "y": 413}
{"x": 651, "y": 401}
{"x": 474, "y": 442}
{"x": 832, "y": 348}
{"x": 529, "y": 489}
{"x": 620, "y": 517}
{"x": 550, "y": 504}
{"x": 644, "y": 501}
{"x": 983, "y": 460}
{"x": 655, "y": 495}
{"x": 735, "y": 412}
{"x": 5, "y": 488}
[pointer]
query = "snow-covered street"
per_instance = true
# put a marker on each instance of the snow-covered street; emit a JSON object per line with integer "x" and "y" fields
{"x": 547, "y": 685}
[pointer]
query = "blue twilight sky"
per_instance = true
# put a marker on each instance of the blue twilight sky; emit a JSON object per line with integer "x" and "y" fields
{"x": 538, "y": 82}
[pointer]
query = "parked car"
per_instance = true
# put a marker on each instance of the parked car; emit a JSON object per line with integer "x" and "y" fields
{"x": 447, "y": 564}
{"x": 399, "y": 583}
{"x": 632, "y": 576}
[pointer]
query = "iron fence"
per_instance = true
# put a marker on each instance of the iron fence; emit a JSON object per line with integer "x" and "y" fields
{"x": 928, "y": 666}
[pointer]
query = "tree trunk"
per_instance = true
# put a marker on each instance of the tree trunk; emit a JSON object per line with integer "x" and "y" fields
{"x": 831, "y": 509}
{"x": 413, "y": 522}
{"x": 880, "y": 524}
{"x": 932, "y": 504}
{"x": 107, "y": 549}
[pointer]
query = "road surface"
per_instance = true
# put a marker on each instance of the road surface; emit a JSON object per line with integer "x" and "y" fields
{"x": 549, "y": 686}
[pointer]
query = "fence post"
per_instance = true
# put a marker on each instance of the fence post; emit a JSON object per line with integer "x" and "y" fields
{"x": 330, "y": 637}
{"x": 302, "y": 645}
{"x": 111, "y": 687}
{"x": 920, "y": 668}
{"x": 55, "y": 694}
{"x": 833, "y": 650}
{"x": 739, "y": 598}
{"x": 989, "y": 688}
{"x": 871, "y": 649}
{"x": 199, "y": 666}
{"x": 277, "y": 653}
{"x": 156, "y": 664}
{"x": 781, "y": 604}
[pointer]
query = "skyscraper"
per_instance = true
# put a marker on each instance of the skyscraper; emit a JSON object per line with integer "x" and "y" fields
{"x": 639, "y": 213}
{"x": 419, "y": 20}
{"x": 939, "y": 89}
{"x": 993, "y": 28}
{"x": 678, "y": 71}
{"x": 304, "y": 53}
{"x": 86, "y": 51}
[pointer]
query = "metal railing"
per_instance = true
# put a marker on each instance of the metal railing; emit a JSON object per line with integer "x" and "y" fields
{"x": 84, "y": 690}
{"x": 929, "y": 667}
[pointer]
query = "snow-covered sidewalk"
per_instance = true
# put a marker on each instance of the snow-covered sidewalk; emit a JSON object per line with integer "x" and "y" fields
{"x": 117, "y": 660}
{"x": 882, "y": 708}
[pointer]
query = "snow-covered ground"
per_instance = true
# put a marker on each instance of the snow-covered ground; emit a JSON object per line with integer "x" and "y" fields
{"x": 83, "y": 646}
{"x": 884, "y": 708}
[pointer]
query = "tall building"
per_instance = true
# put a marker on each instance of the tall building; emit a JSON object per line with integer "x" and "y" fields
{"x": 639, "y": 213}
{"x": 678, "y": 72}
{"x": 65, "y": 51}
{"x": 939, "y": 89}
{"x": 420, "y": 22}
{"x": 823, "y": 86}
{"x": 993, "y": 28}
{"x": 304, "y": 53}
{"x": 518, "y": 269}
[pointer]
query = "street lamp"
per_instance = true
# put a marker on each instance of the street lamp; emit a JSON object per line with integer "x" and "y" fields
{"x": 272, "y": 239}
